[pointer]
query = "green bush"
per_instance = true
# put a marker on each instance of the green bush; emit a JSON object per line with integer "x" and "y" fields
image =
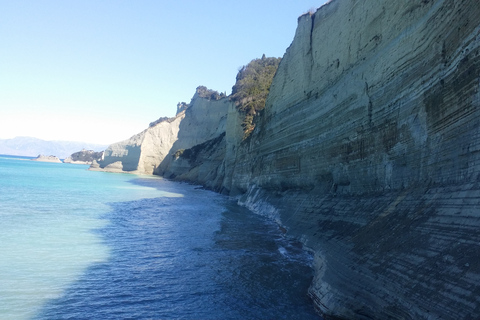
{"x": 178, "y": 154}
{"x": 204, "y": 92}
{"x": 252, "y": 87}
{"x": 182, "y": 106}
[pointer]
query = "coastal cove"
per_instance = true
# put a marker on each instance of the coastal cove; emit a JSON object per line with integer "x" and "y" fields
{"x": 82, "y": 244}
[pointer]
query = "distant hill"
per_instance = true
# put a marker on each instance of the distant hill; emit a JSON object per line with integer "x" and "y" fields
{"x": 29, "y": 146}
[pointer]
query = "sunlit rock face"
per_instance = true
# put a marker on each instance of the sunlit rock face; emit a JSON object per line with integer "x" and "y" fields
{"x": 153, "y": 150}
{"x": 368, "y": 150}
{"x": 206, "y": 150}
{"x": 205, "y": 120}
{"x": 143, "y": 152}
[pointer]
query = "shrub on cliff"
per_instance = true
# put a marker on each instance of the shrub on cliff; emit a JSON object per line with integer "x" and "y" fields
{"x": 204, "y": 92}
{"x": 182, "y": 106}
{"x": 252, "y": 87}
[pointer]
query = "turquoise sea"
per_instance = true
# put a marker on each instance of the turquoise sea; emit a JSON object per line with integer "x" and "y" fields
{"x": 77, "y": 244}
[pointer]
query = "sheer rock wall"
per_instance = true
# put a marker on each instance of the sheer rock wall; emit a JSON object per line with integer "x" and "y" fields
{"x": 153, "y": 150}
{"x": 143, "y": 152}
{"x": 368, "y": 150}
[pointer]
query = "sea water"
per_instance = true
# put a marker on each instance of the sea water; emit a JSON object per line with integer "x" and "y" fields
{"x": 77, "y": 244}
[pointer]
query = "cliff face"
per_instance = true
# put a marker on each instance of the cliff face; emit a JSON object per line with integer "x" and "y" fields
{"x": 153, "y": 150}
{"x": 368, "y": 151}
{"x": 143, "y": 152}
{"x": 376, "y": 96}
{"x": 205, "y": 120}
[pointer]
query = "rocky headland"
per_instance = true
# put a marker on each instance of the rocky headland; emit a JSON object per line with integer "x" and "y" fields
{"x": 44, "y": 158}
{"x": 367, "y": 150}
{"x": 154, "y": 150}
{"x": 84, "y": 157}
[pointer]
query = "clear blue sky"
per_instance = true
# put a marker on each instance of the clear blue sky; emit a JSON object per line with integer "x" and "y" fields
{"x": 101, "y": 71}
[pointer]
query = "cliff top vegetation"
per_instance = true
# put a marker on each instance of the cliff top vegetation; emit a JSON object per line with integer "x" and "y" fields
{"x": 252, "y": 87}
{"x": 182, "y": 106}
{"x": 249, "y": 93}
{"x": 204, "y": 92}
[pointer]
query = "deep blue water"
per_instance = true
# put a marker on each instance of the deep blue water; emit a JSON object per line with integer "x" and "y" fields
{"x": 77, "y": 244}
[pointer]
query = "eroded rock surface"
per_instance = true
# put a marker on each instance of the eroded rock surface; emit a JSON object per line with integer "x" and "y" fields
{"x": 143, "y": 152}
{"x": 199, "y": 153}
{"x": 205, "y": 119}
{"x": 153, "y": 151}
{"x": 368, "y": 151}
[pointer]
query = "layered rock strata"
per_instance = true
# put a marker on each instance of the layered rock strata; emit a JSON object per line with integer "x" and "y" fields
{"x": 368, "y": 150}
{"x": 143, "y": 152}
{"x": 205, "y": 120}
{"x": 153, "y": 151}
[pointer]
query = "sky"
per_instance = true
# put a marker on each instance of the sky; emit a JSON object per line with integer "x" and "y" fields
{"x": 100, "y": 71}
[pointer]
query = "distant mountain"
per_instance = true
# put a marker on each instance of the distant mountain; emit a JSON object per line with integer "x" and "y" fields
{"x": 29, "y": 146}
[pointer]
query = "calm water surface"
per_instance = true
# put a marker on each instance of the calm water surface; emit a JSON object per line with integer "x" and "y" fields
{"x": 76, "y": 244}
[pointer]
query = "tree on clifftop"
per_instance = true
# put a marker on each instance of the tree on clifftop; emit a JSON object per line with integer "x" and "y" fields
{"x": 204, "y": 92}
{"x": 252, "y": 87}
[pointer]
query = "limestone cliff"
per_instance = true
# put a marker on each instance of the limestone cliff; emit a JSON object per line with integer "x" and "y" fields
{"x": 143, "y": 152}
{"x": 153, "y": 150}
{"x": 368, "y": 151}
{"x": 205, "y": 119}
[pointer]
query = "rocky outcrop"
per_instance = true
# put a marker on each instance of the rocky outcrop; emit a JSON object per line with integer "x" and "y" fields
{"x": 156, "y": 149}
{"x": 203, "y": 129}
{"x": 44, "y": 158}
{"x": 143, "y": 152}
{"x": 368, "y": 151}
{"x": 202, "y": 164}
{"x": 84, "y": 157}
